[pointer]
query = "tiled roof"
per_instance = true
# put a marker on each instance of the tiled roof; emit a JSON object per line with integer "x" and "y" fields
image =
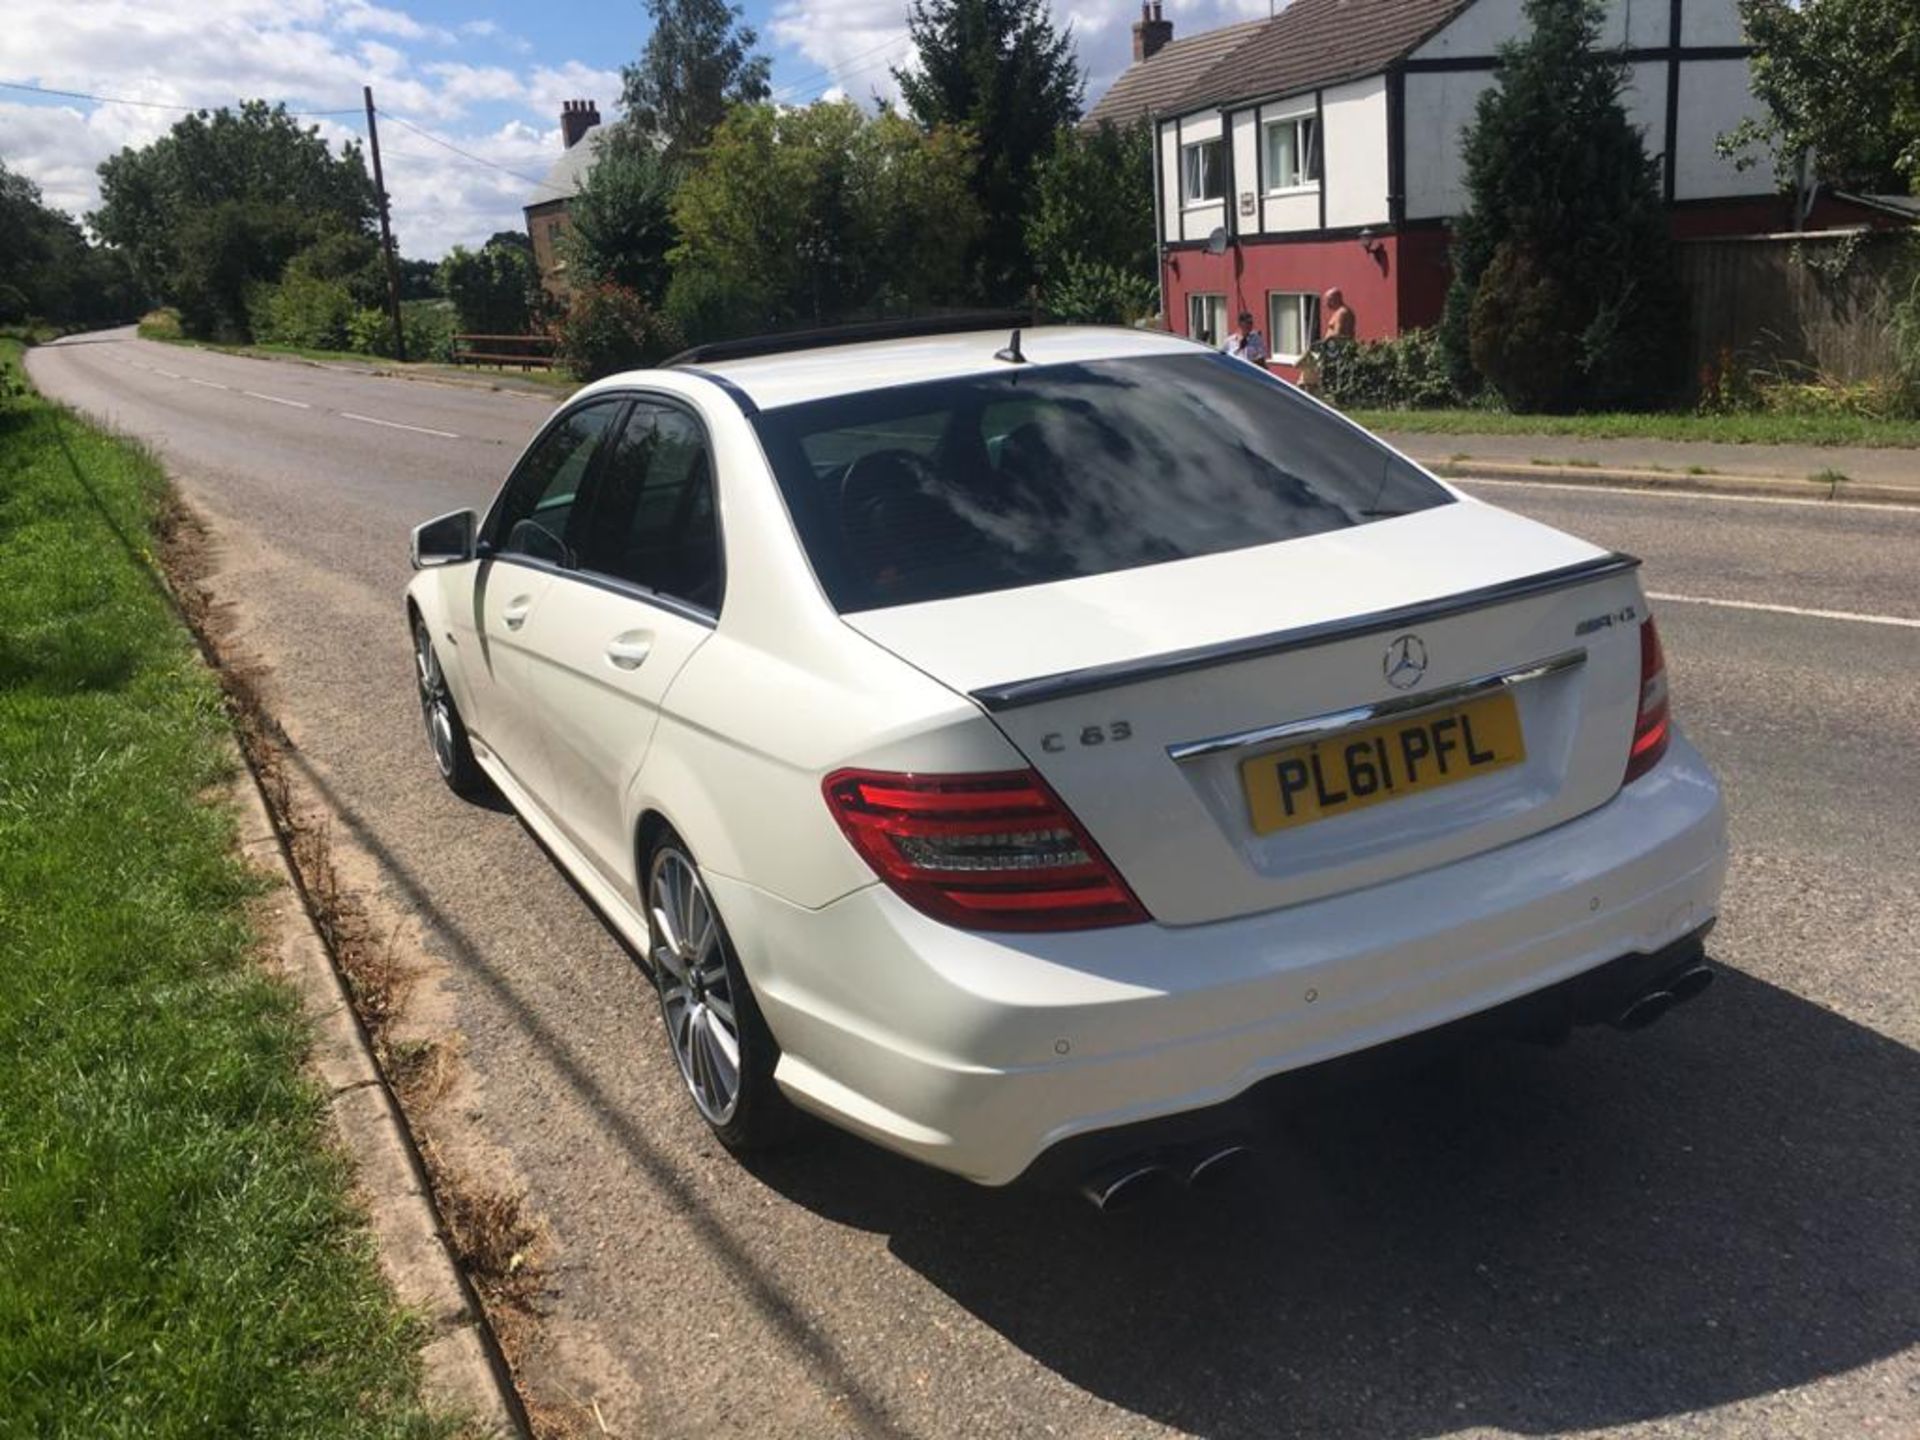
{"x": 564, "y": 176}
{"x": 1313, "y": 43}
{"x": 1153, "y": 85}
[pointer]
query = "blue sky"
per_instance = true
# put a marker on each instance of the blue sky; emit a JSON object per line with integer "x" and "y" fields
{"x": 483, "y": 78}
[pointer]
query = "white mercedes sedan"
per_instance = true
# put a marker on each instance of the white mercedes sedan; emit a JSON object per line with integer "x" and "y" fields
{"x": 1010, "y": 746}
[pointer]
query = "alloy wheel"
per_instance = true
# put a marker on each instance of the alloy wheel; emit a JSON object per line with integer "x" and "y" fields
{"x": 697, "y": 998}
{"x": 436, "y": 705}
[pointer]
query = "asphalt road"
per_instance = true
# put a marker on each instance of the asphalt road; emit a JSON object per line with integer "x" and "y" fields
{"x": 1708, "y": 1228}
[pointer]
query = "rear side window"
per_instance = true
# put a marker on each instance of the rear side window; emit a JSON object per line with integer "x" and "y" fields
{"x": 958, "y": 487}
{"x": 653, "y": 521}
{"x": 535, "y": 516}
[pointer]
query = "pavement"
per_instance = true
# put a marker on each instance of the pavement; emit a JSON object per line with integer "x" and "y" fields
{"x": 1891, "y": 473}
{"x": 1710, "y": 1228}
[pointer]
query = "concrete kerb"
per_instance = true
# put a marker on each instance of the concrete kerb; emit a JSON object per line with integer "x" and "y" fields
{"x": 462, "y": 1366}
{"x": 1770, "y": 486}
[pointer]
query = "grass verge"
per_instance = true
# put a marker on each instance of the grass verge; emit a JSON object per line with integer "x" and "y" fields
{"x": 558, "y": 380}
{"x": 179, "y": 1254}
{"x": 1755, "y": 429}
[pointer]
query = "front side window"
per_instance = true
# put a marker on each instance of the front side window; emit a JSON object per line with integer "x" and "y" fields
{"x": 535, "y": 515}
{"x": 1293, "y": 320}
{"x": 1292, "y": 153}
{"x": 1207, "y": 318}
{"x": 1203, "y": 172}
{"x": 654, "y": 523}
{"x": 1051, "y": 473}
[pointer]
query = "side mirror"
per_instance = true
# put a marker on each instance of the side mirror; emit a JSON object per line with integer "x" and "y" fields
{"x": 448, "y": 540}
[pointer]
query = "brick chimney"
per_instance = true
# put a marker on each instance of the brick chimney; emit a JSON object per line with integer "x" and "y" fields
{"x": 1150, "y": 32}
{"x": 579, "y": 116}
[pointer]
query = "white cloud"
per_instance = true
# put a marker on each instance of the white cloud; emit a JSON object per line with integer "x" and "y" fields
{"x": 855, "y": 45}
{"x": 313, "y": 54}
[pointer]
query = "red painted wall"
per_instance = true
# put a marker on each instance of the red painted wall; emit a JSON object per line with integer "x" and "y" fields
{"x": 1248, "y": 272}
{"x": 1402, "y": 285}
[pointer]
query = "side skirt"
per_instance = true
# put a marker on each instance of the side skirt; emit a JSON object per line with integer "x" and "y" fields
{"x": 613, "y": 906}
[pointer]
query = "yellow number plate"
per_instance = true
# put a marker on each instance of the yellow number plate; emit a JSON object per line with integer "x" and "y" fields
{"x": 1366, "y": 767}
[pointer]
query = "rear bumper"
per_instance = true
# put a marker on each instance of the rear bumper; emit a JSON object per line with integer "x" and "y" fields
{"x": 979, "y": 1053}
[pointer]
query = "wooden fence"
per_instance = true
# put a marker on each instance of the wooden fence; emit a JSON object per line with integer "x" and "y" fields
{"x": 1803, "y": 306}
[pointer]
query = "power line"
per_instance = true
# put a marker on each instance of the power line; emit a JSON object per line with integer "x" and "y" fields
{"x": 469, "y": 155}
{"x": 156, "y": 104}
{"x": 832, "y": 73}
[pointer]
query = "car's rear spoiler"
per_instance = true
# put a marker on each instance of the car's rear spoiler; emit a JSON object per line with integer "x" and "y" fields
{"x": 1042, "y": 688}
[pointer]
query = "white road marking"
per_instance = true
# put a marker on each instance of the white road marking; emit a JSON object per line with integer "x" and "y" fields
{"x": 1900, "y": 620}
{"x": 170, "y": 374}
{"x": 1653, "y": 493}
{"x": 210, "y": 384}
{"x": 276, "y": 400}
{"x": 396, "y": 425}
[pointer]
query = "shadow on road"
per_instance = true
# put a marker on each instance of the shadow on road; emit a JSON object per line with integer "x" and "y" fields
{"x": 1627, "y": 1228}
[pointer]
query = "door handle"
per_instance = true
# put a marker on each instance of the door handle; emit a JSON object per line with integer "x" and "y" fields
{"x": 629, "y": 652}
{"x": 514, "y": 615}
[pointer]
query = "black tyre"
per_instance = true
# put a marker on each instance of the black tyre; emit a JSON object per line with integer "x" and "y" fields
{"x": 715, "y": 1030}
{"x": 446, "y": 734}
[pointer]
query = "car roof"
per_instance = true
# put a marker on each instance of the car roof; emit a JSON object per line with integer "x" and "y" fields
{"x": 796, "y": 376}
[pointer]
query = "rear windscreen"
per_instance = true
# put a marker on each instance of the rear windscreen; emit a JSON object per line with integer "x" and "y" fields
{"x": 956, "y": 487}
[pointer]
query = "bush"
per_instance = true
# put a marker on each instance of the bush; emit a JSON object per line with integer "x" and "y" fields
{"x": 429, "y": 327}
{"x": 494, "y": 290}
{"x": 161, "y": 324}
{"x": 609, "y": 328}
{"x": 370, "y": 332}
{"x": 705, "y": 306}
{"x": 1406, "y": 373}
{"x": 1906, "y": 325}
{"x": 303, "y": 311}
{"x": 1091, "y": 293}
{"x": 1524, "y": 332}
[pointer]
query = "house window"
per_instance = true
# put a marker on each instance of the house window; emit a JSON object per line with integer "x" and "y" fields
{"x": 1203, "y": 176}
{"x": 1207, "y": 318}
{"x": 1290, "y": 151}
{"x": 1293, "y": 324}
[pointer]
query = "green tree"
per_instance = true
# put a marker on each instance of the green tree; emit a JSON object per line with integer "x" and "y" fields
{"x": 1841, "y": 83}
{"x": 817, "y": 215}
{"x": 1090, "y": 229}
{"x": 999, "y": 69}
{"x": 49, "y": 271}
{"x": 620, "y": 223}
{"x": 223, "y": 201}
{"x": 699, "y": 62}
{"x": 1563, "y": 293}
{"x": 495, "y": 289}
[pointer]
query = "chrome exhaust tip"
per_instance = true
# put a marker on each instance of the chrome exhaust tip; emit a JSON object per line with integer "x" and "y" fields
{"x": 1647, "y": 1009}
{"x": 1124, "y": 1186}
{"x": 1217, "y": 1168}
{"x": 1690, "y": 982}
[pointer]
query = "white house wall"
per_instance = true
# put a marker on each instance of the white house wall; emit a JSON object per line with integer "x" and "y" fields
{"x": 1637, "y": 24}
{"x": 1246, "y": 172}
{"x": 1715, "y": 96}
{"x": 1711, "y": 22}
{"x": 1439, "y": 107}
{"x": 1193, "y": 222}
{"x": 1169, "y": 184}
{"x": 1354, "y": 119}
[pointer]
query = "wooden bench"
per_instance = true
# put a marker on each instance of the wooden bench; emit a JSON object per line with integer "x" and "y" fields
{"x": 529, "y": 352}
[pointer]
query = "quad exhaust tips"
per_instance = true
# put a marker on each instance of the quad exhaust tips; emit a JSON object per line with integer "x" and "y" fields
{"x": 1130, "y": 1183}
{"x": 1677, "y": 988}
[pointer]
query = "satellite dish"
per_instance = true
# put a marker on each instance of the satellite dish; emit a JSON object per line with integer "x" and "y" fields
{"x": 1217, "y": 241}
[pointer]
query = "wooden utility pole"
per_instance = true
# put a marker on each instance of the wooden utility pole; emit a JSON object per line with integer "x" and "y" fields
{"x": 386, "y": 232}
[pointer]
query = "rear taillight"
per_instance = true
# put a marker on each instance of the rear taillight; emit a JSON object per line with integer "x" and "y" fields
{"x": 984, "y": 852}
{"x": 1653, "y": 726}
